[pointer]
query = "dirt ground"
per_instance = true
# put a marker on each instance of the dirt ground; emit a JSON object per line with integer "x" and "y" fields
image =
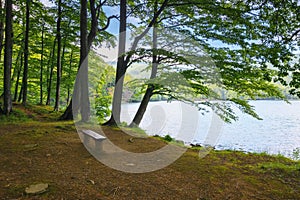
{"x": 43, "y": 150}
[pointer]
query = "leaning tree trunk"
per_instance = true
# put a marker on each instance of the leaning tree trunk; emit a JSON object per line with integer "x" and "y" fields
{"x": 121, "y": 69}
{"x": 58, "y": 64}
{"x": 18, "y": 79}
{"x": 8, "y": 58}
{"x": 25, "y": 72}
{"x": 117, "y": 99}
{"x": 149, "y": 92}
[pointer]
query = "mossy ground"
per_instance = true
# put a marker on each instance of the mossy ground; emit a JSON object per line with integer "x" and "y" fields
{"x": 35, "y": 148}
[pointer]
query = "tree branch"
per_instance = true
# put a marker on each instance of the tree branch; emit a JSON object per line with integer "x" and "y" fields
{"x": 291, "y": 37}
{"x": 138, "y": 38}
{"x": 108, "y": 22}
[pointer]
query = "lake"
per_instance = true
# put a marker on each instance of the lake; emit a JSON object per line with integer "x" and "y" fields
{"x": 277, "y": 133}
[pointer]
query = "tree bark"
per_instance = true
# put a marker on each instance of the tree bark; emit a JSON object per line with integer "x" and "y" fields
{"x": 8, "y": 58}
{"x": 84, "y": 94}
{"x": 117, "y": 99}
{"x": 41, "y": 63}
{"x": 1, "y": 28}
{"x": 58, "y": 64}
{"x": 25, "y": 72}
{"x": 69, "y": 75}
{"x": 121, "y": 69}
{"x": 50, "y": 75}
{"x": 81, "y": 89}
{"x": 18, "y": 79}
{"x": 149, "y": 92}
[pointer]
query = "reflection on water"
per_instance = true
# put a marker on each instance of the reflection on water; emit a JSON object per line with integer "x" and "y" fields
{"x": 278, "y": 132}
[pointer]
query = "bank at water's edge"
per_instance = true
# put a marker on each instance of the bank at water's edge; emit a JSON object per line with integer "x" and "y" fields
{"x": 42, "y": 150}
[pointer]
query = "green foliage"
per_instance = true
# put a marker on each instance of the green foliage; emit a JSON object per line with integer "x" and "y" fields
{"x": 168, "y": 138}
{"x": 296, "y": 154}
{"x": 101, "y": 77}
{"x": 230, "y": 52}
{"x": 103, "y": 99}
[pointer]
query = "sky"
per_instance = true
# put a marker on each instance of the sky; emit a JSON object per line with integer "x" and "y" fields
{"x": 47, "y": 2}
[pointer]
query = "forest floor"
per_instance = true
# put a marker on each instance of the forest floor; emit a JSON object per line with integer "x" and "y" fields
{"x": 35, "y": 148}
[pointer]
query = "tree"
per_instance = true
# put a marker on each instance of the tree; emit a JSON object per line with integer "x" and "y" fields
{"x": 242, "y": 66}
{"x": 58, "y": 64}
{"x": 122, "y": 64}
{"x": 42, "y": 64}
{"x": 149, "y": 91}
{"x": 1, "y": 27}
{"x": 121, "y": 68}
{"x": 8, "y": 58}
{"x": 81, "y": 89}
{"x": 26, "y": 51}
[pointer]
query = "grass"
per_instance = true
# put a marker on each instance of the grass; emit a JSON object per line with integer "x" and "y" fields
{"x": 42, "y": 149}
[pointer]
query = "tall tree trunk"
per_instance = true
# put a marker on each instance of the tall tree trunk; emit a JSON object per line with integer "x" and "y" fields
{"x": 58, "y": 64}
{"x": 121, "y": 69}
{"x": 18, "y": 79}
{"x": 25, "y": 72}
{"x": 41, "y": 67}
{"x": 122, "y": 62}
{"x": 8, "y": 58}
{"x": 1, "y": 28}
{"x": 69, "y": 75}
{"x": 64, "y": 47}
{"x": 50, "y": 74}
{"x": 20, "y": 94}
{"x": 81, "y": 89}
{"x": 16, "y": 69}
{"x": 84, "y": 97}
{"x": 149, "y": 92}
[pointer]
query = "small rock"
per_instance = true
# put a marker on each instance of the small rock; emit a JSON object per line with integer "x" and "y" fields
{"x": 28, "y": 146}
{"x": 130, "y": 164}
{"x": 130, "y": 140}
{"x": 37, "y": 188}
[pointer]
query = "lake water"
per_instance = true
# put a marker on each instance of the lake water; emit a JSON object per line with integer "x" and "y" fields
{"x": 277, "y": 133}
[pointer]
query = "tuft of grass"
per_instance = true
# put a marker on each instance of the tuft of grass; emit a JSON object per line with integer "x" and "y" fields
{"x": 15, "y": 116}
{"x": 278, "y": 166}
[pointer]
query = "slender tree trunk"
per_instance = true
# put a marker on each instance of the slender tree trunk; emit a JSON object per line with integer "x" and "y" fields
{"x": 58, "y": 64}
{"x": 41, "y": 68}
{"x": 121, "y": 69}
{"x": 16, "y": 69}
{"x": 49, "y": 81}
{"x": 21, "y": 93}
{"x": 64, "y": 48}
{"x": 25, "y": 72}
{"x": 18, "y": 79}
{"x": 1, "y": 28}
{"x": 149, "y": 92}
{"x": 69, "y": 75}
{"x": 17, "y": 86}
{"x": 8, "y": 58}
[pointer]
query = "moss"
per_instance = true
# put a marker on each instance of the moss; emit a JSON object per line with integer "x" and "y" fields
{"x": 279, "y": 166}
{"x": 214, "y": 176}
